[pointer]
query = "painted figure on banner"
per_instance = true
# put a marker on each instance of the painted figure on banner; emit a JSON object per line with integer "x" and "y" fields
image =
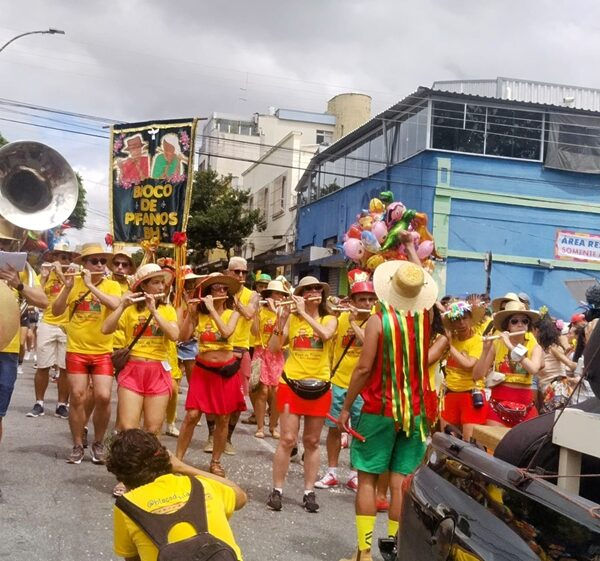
{"x": 169, "y": 160}
{"x": 136, "y": 167}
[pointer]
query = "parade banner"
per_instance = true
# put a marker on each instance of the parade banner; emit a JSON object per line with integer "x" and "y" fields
{"x": 151, "y": 178}
{"x": 577, "y": 246}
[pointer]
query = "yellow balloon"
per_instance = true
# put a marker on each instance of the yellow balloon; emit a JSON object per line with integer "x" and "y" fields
{"x": 375, "y": 205}
{"x": 374, "y": 261}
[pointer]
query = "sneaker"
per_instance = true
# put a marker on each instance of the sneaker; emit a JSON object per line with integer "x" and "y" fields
{"x": 382, "y": 505}
{"x": 344, "y": 440}
{"x": 352, "y": 483}
{"x": 76, "y": 455}
{"x": 20, "y": 369}
{"x": 209, "y": 445}
{"x": 229, "y": 449}
{"x": 36, "y": 411}
{"x": 309, "y": 502}
{"x": 274, "y": 500}
{"x": 62, "y": 412}
{"x": 98, "y": 453}
{"x": 172, "y": 430}
{"x": 328, "y": 481}
{"x": 84, "y": 439}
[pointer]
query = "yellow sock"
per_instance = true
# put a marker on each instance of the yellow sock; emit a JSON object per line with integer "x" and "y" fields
{"x": 364, "y": 531}
{"x": 392, "y": 528}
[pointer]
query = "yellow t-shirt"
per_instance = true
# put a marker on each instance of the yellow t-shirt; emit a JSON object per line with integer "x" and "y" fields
{"x": 241, "y": 335}
{"x": 458, "y": 379}
{"x": 84, "y": 330}
{"x": 15, "y": 343}
{"x": 167, "y": 494}
{"x": 153, "y": 344}
{"x": 514, "y": 371}
{"x": 119, "y": 335}
{"x": 52, "y": 289}
{"x": 343, "y": 335}
{"x": 308, "y": 355}
{"x": 209, "y": 336}
{"x": 266, "y": 323}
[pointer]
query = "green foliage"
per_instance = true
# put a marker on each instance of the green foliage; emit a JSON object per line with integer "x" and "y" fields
{"x": 3, "y": 140}
{"x": 219, "y": 215}
{"x": 79, "y": 214}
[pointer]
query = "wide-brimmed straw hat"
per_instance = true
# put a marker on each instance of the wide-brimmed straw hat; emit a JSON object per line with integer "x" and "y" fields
{"x": 405, "y": 286}
{"x": 148, "y": 271}
{"x": 499, "y": 303}
{"x": 512, "y": 308}
{"x": 458, "y": 309}
{"x": 93, "y": 250}
{"x": 60, "y": 247}
{"x": 310, "y": 281}
{"x": 274, "y": 286}
{"x": 233, "y": 285}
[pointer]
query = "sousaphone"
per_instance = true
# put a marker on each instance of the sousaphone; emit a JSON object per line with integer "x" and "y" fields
{"x": 38, "y": 191}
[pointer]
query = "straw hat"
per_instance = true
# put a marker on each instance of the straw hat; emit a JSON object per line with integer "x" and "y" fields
{"x": 309, "y": 281}
{"x": 148, "y": 271}
{"x": 499, "y": 303}
{"x": 8, "y": 231}
{"x": 233, "y": 285}
{"x": 93, "y": 249}
{"x": 512, "y": 308}
{"x": 405, "y": 286}
{"x": 458, "y": 309}
{"x": 61, "y": 247}
{"x": 274, "y": 286}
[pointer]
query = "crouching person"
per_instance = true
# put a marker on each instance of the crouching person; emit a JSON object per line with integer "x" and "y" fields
{"x": 197, "y": 506}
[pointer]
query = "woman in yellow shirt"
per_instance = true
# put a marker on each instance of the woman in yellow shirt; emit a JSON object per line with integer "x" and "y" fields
{"x": 309, "y": 332}
{"x": 464, "y": 400}
{"x": 144, "y": 385}
{"x": 518, "y": 357}
{"x": 215, "y": 384}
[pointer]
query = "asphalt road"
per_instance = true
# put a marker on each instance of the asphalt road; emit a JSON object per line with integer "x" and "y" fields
{"x": 54, "y": 511}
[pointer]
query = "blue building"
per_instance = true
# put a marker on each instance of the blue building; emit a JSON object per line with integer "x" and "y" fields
{"x": 502, "y": 166}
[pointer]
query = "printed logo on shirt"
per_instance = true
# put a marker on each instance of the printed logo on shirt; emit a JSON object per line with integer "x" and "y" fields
{"x": 210, "y": 335}
{"x": 269, "y": 326}
{"x": 348, "y": 337}
{"x": 303, "y": 341}
{"x": 89, "y": 306}
{"x": 152, "y": 330}
{"x": 508, "y": 366}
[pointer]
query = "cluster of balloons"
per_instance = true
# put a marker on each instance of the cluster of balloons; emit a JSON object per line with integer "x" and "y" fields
{"x": 375, "y": 236}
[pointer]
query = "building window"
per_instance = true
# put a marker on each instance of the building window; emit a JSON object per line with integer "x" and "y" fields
{"x": 494, "y": 131}
{"x": 263, "y": 202}
{"x": 324, "y": 137}
{"x": 278, "y": 196}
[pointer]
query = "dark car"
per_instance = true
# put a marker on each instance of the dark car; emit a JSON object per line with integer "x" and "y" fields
{"x": 464, "y": 504}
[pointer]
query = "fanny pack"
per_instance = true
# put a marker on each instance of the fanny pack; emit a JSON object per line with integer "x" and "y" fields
{"x": 308, "y": 388}
{"x": 227, "y": 371}
{"x": 511, "y": 412}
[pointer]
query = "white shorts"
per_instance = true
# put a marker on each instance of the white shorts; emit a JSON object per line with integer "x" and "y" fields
{"x": 51, "y": 346}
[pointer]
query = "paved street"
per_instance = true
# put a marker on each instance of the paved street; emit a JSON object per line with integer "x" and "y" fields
{"x": 54, "y": 511}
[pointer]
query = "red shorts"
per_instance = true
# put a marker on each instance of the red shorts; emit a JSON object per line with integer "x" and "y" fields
{"x": 89, "y": 364}
{"x": 245, "y": 369}
{"x": 458, "y": 409}
{"x": 313, "y": 407}
{"x": 523, "y": 395}
{"x": 147, "y": 378}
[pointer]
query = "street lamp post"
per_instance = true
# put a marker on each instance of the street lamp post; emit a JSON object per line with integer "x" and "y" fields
{"x": 50, "y": 31}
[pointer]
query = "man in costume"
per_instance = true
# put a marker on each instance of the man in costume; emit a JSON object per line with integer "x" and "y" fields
{"x": 392, "y": 377}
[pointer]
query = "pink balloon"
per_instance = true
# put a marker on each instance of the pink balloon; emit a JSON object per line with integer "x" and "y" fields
{"x": 380, "y": 230}
{"x": 424, "y": 250}
{"x": 354, "y": 249}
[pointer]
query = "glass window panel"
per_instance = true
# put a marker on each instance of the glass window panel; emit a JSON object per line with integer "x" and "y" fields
{"x": 377, "y": 157}
{"x": 357, "y": 163}
{"x": 458, "y": 127}
{"x": 514, "y": 134}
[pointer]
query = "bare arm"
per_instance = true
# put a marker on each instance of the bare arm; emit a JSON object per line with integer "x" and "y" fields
{"x": 324, "y": 332}
{"x": 437, "y": 349}
{"x": 483, "y": 365}
{"x": 559, "y": 354}
{"x": 249, "y": 311}
{"x": 34, "y": 295}
{"x": 226, "y": 329}
{"x": 278, "y": 340}
{"x": 112, "y": 321}
{"x": 108, "y": 300}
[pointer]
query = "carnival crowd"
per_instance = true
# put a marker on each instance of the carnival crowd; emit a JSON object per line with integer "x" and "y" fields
{"x": 389, "y": 363}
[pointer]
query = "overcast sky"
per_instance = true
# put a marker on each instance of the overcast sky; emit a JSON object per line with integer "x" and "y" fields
{"x": 131, "y": 60}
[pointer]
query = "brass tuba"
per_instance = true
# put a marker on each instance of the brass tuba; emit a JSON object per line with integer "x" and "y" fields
{"x": 38, "y": 191}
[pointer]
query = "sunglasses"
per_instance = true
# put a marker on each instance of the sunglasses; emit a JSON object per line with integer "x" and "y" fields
{"x": 121, "y": 263}
{"x": 219, "y": 287}
{"x": 313, "y": 288}
{"x": 96, "y": 260}
{"x": 516, "y": 321}
{"x": 239, "y": 272}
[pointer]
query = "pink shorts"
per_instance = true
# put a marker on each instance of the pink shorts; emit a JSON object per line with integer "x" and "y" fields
{"x": 272, "y": 366}
{"x": 145, "y": 378}
{"x": 78, "y": 363}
